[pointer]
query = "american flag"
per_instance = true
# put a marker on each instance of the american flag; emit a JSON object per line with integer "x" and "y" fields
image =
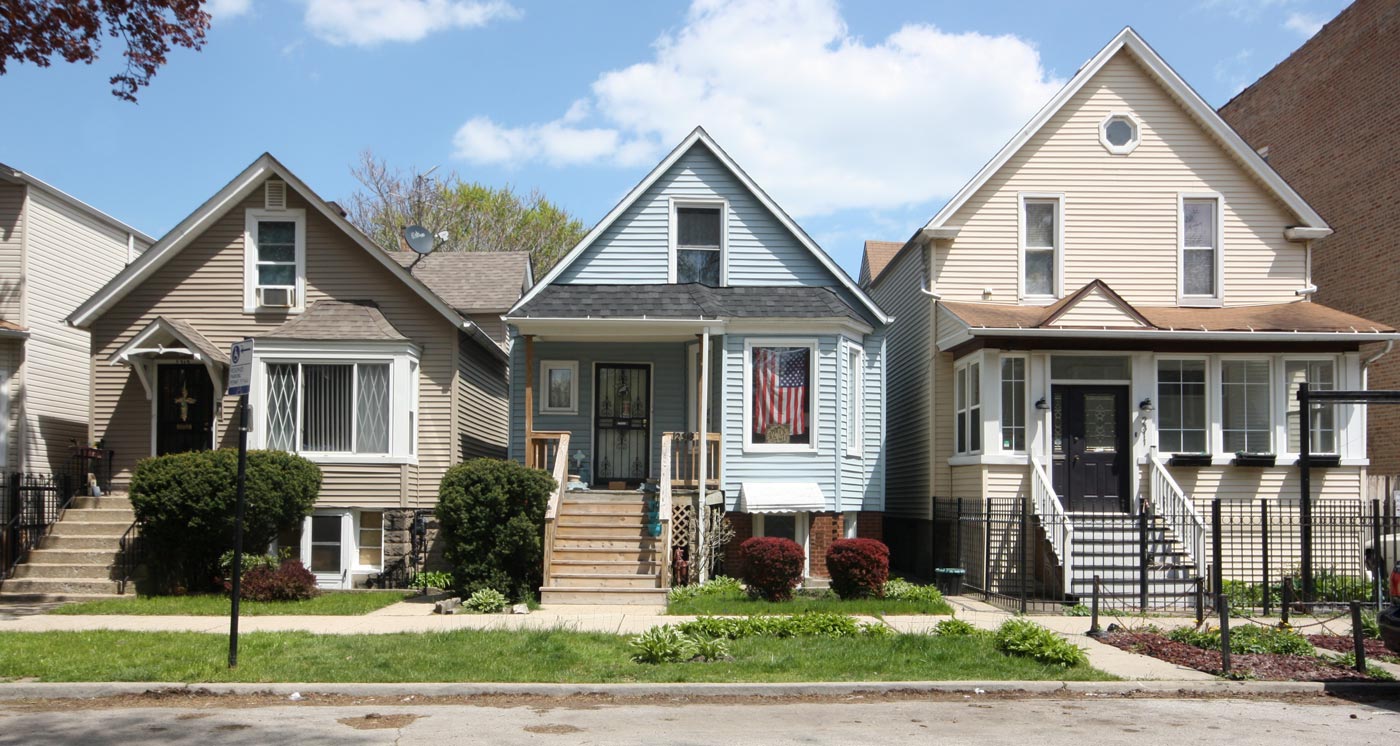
{"x": 780, "y": 396}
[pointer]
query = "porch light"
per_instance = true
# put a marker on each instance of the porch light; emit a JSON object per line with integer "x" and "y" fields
{"x": 1041, "y": 405}
{"x": 1146, "y": 405}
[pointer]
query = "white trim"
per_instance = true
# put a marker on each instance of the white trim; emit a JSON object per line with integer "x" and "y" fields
{"x": 593, "y": 414}
{"x": 813, "y": 380}
{"x": 1001, "y": 408}
{"x": 357, "y": 518}
{"x": 1182, "y": 299}
{"x": 853, "y": 401}
{"x": 5, "y": 376}
{"x": 545, "y": 367}
{"x": 1221, "y": 336}
{"x": 699, "y": 136}
{"x": 1058, "y": 250}
{"x": 252, "y": 218}
{"x": 1157, "y": 67}
{"x": 1273, "y": 404}
{"x": 802, "y": 530}
{"x": 962, "y": 369}
{"x": 1212, "y": 394}
{"x": 348, "y": 541}
{"x": 1127, "y": 147}
{"x": 11, "y": 174}
{"x": 1281, "y": 433}
{"x": 987, "y": 459}
{"x": 673, "y": 226}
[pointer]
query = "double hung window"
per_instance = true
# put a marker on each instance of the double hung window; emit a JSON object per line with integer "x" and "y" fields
{"x": 1181, "y": 406}
{"x": 1040, "y": 246}
{"x": 699, "y": 250}
{"x": 967, "y": 401}
{"x": 1246, "y": 425}
{"x": 780, "y": 405}
{"x": 1200, "y": 248}
{"x": 1322, "y": 421}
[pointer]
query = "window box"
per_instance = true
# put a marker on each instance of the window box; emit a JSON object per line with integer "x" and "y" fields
{"x": 1321, "y": 461}
{"x": 1191, "y": 459}
{"x": 1254, "y": 459}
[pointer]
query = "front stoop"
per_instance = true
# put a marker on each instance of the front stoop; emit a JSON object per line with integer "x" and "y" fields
{"x": 602, "y": 552}
{"x": 77, "y": 560}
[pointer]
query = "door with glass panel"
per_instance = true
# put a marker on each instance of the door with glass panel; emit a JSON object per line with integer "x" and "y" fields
{"x": 622, "y": 423}
{"x": 1092, "y": 453}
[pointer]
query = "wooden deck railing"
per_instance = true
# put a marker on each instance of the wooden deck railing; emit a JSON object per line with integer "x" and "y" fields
{"x": 664, "y": 510}
{"x": 682, "y": 455}
{"x": 550, "y": 450}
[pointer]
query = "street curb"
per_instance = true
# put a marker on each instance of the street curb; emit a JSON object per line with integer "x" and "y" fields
{"x": 1183, "y": 688}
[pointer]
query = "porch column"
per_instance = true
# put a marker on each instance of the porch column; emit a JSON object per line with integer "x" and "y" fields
{"x": 529, "y": 398}
{"x": 700, "y": 446}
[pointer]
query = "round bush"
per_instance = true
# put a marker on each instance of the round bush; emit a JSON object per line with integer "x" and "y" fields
{"x": 771, "y": 566}
{"x": 858, "y": 567}
{"x": 290, "y": 581}
{"x": 491, "y": 515}
{"x": 186, "y": 504}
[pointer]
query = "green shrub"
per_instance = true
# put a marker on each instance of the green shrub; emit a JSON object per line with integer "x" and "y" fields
{"x": 1333, "y": 588}
{"x": 1245, "y": 639}
{"x": 719, "y": 586}
{"x": 955, "y": 628}
{"x": 487, "y": 601}
{"x": 1370, "y": 626}
{"x": 903, "y": 590}
{"x": 711, "y": 648}
{"x": 795, "y": 625}
{"x": 250, "y": 561}
{"x": 289, "y": 581}
{"x": 1025, "y": 638}
{"x": 1243, "y": 595}
{"x": 431, "y": 579}
{"x": 662, "y": 645}
{"x": 491, "y": 515}
{"x": 186, "y": 502}
{"x": 1078, "y": 610}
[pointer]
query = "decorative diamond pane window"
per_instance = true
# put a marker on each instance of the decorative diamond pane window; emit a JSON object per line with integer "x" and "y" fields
{"x": 330, "y": 408}
{"x": 372, "y": 412}
{"x": 281, "y": 407}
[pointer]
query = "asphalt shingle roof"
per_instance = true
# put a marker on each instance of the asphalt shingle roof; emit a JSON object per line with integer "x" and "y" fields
{"x": 338, "y": 320}
{"x": 688, "y": 301}
{"x": 877, "y": 256}
{"x": 470, "y": 281}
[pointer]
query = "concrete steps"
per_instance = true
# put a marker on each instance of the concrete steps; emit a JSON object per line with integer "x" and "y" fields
{"x": 603, "y": 553}
{"x": 1110, "y": 546}
{"x": 77, "y": 559}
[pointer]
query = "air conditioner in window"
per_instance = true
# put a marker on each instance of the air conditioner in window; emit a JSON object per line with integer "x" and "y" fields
{"x": 277, "y": 297}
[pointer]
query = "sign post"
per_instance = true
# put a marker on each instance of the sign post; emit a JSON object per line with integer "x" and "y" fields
{"x": 239, "y": 375}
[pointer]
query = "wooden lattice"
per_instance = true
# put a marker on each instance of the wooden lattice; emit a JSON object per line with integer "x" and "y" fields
{"x": 683, "y": 526}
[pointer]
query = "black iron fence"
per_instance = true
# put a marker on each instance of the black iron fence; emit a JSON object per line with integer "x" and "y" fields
{"x": 1015, "y": 558}
{"x": 30, "y": 503}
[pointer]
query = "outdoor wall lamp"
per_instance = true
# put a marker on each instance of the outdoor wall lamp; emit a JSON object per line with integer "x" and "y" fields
{"x": 1145, "y": 405}
{"x": 1041, "y": 405}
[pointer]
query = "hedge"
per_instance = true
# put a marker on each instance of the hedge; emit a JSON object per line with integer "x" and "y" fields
{"x": 491, "y": 517}
{"x": 858, "y": 567}
{"x": 771, "y": 566}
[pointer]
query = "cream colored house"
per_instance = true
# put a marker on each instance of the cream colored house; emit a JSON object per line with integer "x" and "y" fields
{"x": 1111, "y": 317}
{"x": 55, "y": 250}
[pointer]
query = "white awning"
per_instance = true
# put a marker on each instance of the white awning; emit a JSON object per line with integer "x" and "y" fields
{"x": 780, "y": 497}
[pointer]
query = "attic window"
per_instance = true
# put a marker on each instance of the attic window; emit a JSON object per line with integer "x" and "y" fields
{"x": 697, "y": 243}
{"x": 1120, "y": 133}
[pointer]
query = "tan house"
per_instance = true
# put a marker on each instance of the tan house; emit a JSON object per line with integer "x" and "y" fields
{"x": 381, "y": 367}
{"x": 55, "y": 250}
{"x": 1112, "y": 318}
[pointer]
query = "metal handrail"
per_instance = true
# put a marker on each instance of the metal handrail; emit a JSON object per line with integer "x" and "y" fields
{"x": 1169, "y": 502}
{"x": 1054, "y": 520}
{"x": 130, "y": 551}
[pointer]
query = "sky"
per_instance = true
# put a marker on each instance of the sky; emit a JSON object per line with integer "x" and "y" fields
{"x": 859, "y": 118}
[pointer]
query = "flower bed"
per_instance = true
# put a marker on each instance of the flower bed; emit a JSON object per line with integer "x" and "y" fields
{"x": 1264, "y": 666}
{"x": 1375, "y": 649}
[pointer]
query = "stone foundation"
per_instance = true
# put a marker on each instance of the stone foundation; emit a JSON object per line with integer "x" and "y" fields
{"x": 398, "y": 545}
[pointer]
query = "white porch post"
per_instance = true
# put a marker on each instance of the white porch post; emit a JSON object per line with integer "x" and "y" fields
{"x": 703, "y": 423}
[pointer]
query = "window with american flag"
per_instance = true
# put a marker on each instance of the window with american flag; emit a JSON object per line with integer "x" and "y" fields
{"x": 781, "y": 405}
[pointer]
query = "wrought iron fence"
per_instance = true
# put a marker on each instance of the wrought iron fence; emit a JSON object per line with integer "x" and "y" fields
{"x": 30, "y": 503}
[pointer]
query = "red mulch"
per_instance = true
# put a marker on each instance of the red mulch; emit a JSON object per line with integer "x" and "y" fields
{"x": 1259, "y": 666}
{"x": 1340, "y": 644}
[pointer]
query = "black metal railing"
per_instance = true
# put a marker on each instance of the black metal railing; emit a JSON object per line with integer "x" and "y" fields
{"x": 131, "y": 554}
{"x": 31, "y": 503}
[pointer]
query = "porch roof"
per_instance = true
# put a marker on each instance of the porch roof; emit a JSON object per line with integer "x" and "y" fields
{"x": 685, "y": 302}
{"x": 11, "y": 329}
{"x": 178, "y": 331}
{"x": 336, "y": 320}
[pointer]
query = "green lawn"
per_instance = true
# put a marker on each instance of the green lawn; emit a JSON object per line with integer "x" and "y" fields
{"x": 738, "y": 605}
{"x": 330, "y": 603}
{"x": 498, "y": 656}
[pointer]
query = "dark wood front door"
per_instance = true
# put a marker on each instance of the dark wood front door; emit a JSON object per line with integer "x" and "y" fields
{"x": 1092, "y": 451}
{"x": 622, "y": 423}
{"x": 184, "y": 409}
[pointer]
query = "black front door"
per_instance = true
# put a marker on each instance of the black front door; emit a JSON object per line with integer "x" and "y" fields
{"x": 184, "y": 409}
{"x": 622, "y": 423}
{"x": 1092, "y": 452}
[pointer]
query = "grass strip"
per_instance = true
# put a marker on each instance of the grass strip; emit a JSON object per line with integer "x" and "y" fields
{"x": 726, "y": 605}
{"x": 331, "y": 603}
{"x": 499, "y": 656}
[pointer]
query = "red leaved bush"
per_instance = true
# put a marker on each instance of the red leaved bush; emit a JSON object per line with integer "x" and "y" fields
{"x": 858, "y": 567}
{"x": 771, "y": 566}
{"x": 290, "y": 581}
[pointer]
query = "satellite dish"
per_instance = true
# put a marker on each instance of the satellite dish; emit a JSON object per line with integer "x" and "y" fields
{"x": 419, "y": 239}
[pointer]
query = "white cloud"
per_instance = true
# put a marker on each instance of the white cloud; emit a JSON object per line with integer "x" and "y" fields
{"x": 224, "y": 9}
{"x": 371, "y": 22}
{"x": 1304, "y": 23}
{"x": 823, "y": 119}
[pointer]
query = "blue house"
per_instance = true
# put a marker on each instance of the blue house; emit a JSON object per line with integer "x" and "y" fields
{"x": 696, "y": 336}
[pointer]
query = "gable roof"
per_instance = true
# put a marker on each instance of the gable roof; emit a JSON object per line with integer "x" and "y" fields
{"x": 1157, "y": 68}
{"x": 16, "y": 176}
{"x": 179, "y": 330}
{"x": 334, "y": 320}
{"x": 242, "y": 185}
{"x": 471, "y": 281}
{"x": 1097, "y": 288}
{"x": 877, "y": 256}
{"x": 698, "y": 136}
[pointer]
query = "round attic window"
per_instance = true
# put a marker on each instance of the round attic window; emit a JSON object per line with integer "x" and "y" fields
{"x": 1120, "y": 133}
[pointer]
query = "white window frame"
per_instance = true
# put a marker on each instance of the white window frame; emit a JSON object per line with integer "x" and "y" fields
{"x": 1284, "y": 400}
{"x": 1127, "y": 147}
{"x": 962, "y": 406}
{"x": 1219, "y": 385}
{"x": 250, "y": 257}
{"x": 549, "y": 365}
{"x": 1213, "y": 425}
{"x": 855, "y": 401}
{"x": 1057, "y": 278}
{"x": 403, "y": 387}
{"x": 813, "y": 395}
{"x": 348, "y": 540}
{"x": 356, "y": 566}
{"x": 673, "y": 224}
{"x": 802, "y": 527}
{"x": 1217, "y": 298}
{"x": 1006, "y": 406}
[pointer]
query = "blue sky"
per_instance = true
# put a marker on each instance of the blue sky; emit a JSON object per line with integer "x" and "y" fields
{"x": 860, "y": 118}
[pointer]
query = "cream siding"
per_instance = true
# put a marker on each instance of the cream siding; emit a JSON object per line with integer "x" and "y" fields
{"x": 203, "y": 284}
{"x": 1096, "y": 311}
{"x": 11, "y": 354}
{"x": 11, "y": 251}
{"x": 1120, "y": 211}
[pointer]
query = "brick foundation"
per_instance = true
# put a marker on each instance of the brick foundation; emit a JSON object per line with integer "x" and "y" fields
{"x": 822, "y": 529}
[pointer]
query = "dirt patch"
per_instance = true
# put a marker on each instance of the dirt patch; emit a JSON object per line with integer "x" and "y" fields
{"x": 557, "y": 729}
{"x": 375, "y": 721}
{"x": 194, "y": 716}
{"x": 1266, "y": 667}
{"x": 230, "y": 727}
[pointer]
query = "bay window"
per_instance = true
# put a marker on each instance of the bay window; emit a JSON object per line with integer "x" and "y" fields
{"x": 1013, "y": 404}
{"x": 1181, "y": 406}
{"x": 1320, "y": 375}
{"x": 1246, "y": 424}
{"x": 967, "y": 404}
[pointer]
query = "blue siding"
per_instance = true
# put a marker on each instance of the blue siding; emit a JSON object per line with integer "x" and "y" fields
{"x": 634, "y": 249}
{"x": 863, "y": 477}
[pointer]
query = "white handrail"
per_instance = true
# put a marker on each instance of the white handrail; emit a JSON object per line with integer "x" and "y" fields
{"x": 1168, "y": 501}
{"x": 1053, "y": 520}
{"x": 664, "y": 510}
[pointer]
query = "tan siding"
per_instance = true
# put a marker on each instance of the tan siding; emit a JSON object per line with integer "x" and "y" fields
{"x": 71, "y": 256}
{"x": 360, "y": 485}
{"x": 1120, "y": 212}
{"x": 204, "y": 285}
{"x": 967, "y": 482}
{"x": 491, "y": 323}
{"x": 11, "y": 353}
{"x": 11, "y": 250}
{"x": 483, "y": 412}
{"x": 1231, "y": 482}
{"x": 1096, "y": 311}
{"x": 1006, "y": 482}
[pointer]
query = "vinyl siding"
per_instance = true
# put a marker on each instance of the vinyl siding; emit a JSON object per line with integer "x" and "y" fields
{"x": 943, "y": 425}
{"x": 11, "y": 353}
{"x": 11, "y": 250}
{"x": 1096, "y": 311}
{"x": 203, "y": 284}
{"x": 635, "y": 248}
{"x": 491, "y": 323}
{"x": 71, "y": 256}
{"x": 863, "y": 477}
{"x": 909, "y": 377}
{"x": 483, "y": 417}
{"x": 1240, "y": 483}
{"x": 1120, "y": 212}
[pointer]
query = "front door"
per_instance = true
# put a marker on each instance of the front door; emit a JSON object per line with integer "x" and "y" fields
{"x": 184, "y": 409}
{"x": 622, "y": 423}
{"x": 1092, "y": 452}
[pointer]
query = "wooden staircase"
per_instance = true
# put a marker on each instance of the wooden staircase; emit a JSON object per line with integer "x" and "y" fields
{"x": 77, "y": 559}
{"x": 602, "y": 552}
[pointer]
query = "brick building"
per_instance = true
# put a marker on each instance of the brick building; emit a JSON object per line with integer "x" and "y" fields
{"x": 1328, "y": 120}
